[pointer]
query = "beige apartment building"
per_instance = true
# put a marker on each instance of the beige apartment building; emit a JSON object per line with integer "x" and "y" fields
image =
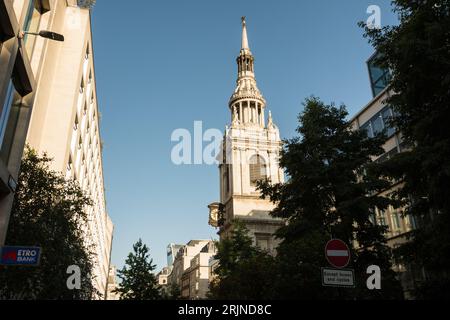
{"x": 190, "y": 269}
{"x": 196, "y": 279}
{"x": 64, "y": 119}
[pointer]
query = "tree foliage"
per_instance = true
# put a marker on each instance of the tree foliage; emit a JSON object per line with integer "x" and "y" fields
{"x": 244, "y": 271}
{"x": 173, "y": 292}
{"x": 48, "y": 212}
{"x": 138, "y": 282}
{"x": 417, "y": 51}
{"x": 332, "y": 190}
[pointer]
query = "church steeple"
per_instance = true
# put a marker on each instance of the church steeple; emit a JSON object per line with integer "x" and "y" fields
{"x": 245, "y": 60}
{"x": 250, "y": 153}
{"x": 244, "y": 46}
{"x": 247, "y": 102}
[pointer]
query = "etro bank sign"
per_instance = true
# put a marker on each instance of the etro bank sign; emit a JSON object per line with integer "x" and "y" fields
{"x": 20, "y": 256}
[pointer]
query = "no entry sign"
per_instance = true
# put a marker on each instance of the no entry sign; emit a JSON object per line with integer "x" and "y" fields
{"x": 337, "y": 253}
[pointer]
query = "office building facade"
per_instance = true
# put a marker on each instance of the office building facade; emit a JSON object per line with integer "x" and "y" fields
{"x": 374, "y": 118}
{"x": 49, "y": 99}
{"x": 17, "y": 94}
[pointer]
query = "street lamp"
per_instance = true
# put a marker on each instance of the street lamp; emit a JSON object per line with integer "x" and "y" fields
{"x": 44, "y": 34}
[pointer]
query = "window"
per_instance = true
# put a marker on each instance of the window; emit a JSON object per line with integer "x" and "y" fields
{"x": 412, "y": 221}
{"x": 382, "y": 218}
{"x": 368, "y": 128}
{"x": 88, "y": 52}
{"x": 262, "y": 242}
{"x": 5, "y": 110}
{"x": 75, "y": 125}
{"x": 388, "y": 155}
{"x": 32, "y": 22}
{"x": 82, "y": 85}
{"x": 395, "y": 221}
{"x": 11, "y": 119}
{"x": 257, "y": 169}
{"x": 372, "y": 219}
{"x": 381, "y": 121}
{"x": 379, "y": 77}
{"x": 387, "y": 116}
{"x": 377, "y": 124}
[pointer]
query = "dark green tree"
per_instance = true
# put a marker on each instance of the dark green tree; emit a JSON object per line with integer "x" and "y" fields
{"x": 48, "y": 212}
{"x": 332, "y": 190}
{"x": 417, "y": 51}
{"x": 138, "y": 282}
{"x": 244, "y": 272}
{"x": 173, "y": 292}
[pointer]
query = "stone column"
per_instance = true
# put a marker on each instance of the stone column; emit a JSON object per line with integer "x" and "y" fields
{"x": 241, "y": 116}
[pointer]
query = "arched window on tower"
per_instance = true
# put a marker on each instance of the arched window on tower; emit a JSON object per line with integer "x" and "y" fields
{"x": 258, "y": 169}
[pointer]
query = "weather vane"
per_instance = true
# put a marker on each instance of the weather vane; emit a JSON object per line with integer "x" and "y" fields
{"x": 243, "y": 20}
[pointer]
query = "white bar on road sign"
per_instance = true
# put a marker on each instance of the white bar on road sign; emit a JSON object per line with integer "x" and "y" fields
{"x": 337, "y": 253}
{"x": 338, "y": 278}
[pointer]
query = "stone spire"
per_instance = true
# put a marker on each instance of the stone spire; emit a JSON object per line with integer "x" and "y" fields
{"x": 245, "y": 47}
{"x": 247, "y": 100}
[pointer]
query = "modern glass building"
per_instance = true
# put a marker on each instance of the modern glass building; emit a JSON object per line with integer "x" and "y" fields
{"x": 172, "y": 250}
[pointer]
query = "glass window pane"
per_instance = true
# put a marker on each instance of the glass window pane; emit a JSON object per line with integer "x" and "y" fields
{"x": 257, "y": 170}
{"x": 379, "y": 77}
{"x": 396, "y": 221}
{"x": 32, "y": 23}
{"x": 11, "y": 124}
{"x": 367, "y": 127}
{"x": 377, "y": 124}
{"x": 387, "y": 119}
{"x": 5, "y": 110}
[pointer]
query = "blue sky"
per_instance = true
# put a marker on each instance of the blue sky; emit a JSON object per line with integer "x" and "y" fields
{"x": 163, "y": 64}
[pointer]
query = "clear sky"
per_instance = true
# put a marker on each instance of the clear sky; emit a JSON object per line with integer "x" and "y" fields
{"x": 163, "y": 64}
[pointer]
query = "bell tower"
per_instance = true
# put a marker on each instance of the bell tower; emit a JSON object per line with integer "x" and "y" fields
{"x": 251, "y": 150}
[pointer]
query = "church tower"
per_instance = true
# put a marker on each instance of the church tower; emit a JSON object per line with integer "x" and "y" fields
{"x": 251, "y": 150}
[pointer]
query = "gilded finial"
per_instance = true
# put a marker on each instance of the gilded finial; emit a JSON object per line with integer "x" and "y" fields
{"x": 243, "y": 21}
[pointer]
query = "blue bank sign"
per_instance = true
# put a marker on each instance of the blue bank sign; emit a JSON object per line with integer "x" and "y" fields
{"x": 20, "y": 256}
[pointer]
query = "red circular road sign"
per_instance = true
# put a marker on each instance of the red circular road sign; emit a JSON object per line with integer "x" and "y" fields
{"x": 337, "y": 253}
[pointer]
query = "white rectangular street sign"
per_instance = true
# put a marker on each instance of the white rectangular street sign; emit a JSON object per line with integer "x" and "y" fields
{"x": 338, "y": 277}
